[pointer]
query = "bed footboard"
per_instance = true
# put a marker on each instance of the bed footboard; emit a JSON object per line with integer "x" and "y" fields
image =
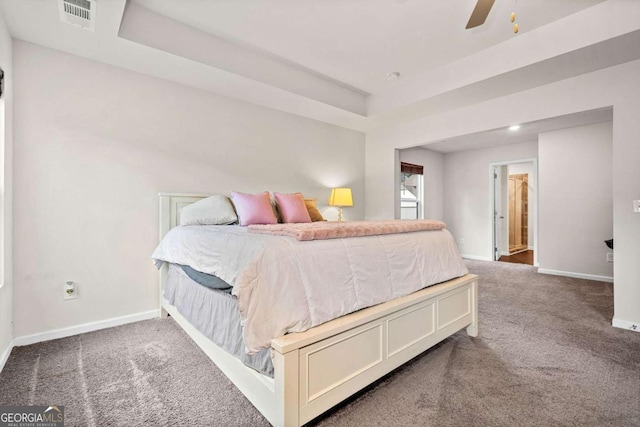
{"x": 316, "y": 369}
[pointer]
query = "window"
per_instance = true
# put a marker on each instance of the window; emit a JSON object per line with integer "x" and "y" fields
{"x": 411, "y": 184}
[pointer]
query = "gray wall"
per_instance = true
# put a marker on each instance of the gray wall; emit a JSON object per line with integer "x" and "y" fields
{"x": 94, "y": 146}
{"x": 576, "y": 199}
{"x": 467, "y": 200}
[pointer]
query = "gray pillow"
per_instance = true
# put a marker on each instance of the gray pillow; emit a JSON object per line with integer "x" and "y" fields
{"x": 208, "y": 280}
{"x": 214, "y": 210}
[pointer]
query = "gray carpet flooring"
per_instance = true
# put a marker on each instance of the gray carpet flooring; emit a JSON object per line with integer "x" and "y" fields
{"x": 546, "y": 356}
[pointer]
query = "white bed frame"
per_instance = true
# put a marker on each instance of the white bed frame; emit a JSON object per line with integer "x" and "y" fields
{"x": 316, "y": 369}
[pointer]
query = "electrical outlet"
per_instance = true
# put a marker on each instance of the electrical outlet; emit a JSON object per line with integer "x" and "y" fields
{"x": 610, "y": 257}
{"x": 636, "y": 206}
{"x": 70, "y": 290}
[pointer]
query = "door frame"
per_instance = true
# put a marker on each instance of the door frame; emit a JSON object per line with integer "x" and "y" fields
{"x": 533, "y": 180}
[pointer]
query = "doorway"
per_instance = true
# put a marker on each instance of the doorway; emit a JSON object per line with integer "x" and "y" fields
{"x": 514, "y": 211}
{"x": 518, "y": 212}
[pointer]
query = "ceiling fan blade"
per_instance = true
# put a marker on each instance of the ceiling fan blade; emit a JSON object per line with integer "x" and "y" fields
{"x": 480, "y": 13}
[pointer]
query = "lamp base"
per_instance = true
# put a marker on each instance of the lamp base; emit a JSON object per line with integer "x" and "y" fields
{"x": 339, "y": 213}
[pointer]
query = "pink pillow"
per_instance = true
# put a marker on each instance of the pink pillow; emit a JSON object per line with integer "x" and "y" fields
{"x": 292, "y": 207}
{"x": 253, "y": 208}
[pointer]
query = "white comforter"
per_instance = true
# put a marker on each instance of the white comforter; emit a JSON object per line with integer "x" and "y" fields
{"x": 285, "y": 285}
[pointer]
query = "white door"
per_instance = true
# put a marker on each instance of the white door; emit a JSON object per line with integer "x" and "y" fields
{"x": 497, "y": 212}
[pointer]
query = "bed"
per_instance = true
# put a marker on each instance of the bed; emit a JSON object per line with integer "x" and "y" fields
{"x": 316, "y": 369}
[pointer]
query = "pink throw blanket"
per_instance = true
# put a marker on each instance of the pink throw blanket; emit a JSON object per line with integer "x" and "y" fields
{"x": 338, "y": 230}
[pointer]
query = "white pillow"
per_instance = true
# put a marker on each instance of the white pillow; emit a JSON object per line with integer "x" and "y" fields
{"x": 214, "y": 210}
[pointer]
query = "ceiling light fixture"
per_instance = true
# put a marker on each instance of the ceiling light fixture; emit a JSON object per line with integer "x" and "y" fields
{"x": 393, "y": 77}
{"x": 514, "y": 127}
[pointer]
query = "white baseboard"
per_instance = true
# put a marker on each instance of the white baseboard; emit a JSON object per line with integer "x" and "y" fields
{"x": 503, "y": 253}
{"x": 625, "y": 324}
{"x": 477, "y": 258}
{"x": 85, "y": 327}
{"x": 576, "y": 275}
{"x": 5, "y": 355}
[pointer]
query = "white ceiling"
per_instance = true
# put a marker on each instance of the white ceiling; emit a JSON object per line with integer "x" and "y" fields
{"x": 327, "y": 59}
{"x": 526, "y": 133}
{"x": 358, "y": 42}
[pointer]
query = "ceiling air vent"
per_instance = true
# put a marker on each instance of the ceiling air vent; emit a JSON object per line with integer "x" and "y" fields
{"x": 81, "y": 13}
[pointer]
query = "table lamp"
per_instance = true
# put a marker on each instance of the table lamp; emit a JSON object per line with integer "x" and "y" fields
{"x": 340, "y": 197}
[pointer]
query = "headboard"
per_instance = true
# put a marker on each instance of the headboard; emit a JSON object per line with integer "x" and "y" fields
{"x": 170, "y": 206}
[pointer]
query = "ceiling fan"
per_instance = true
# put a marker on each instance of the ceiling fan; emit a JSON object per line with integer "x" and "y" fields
{"x": 480, "y": 13}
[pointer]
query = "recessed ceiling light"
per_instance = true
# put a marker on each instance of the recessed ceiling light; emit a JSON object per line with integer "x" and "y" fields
{"x": 514, "y": 127}
{"x": 393, "y": 77}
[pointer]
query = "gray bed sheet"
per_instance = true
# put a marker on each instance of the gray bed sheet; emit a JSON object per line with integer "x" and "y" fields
{"x": 214, "y": 313}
